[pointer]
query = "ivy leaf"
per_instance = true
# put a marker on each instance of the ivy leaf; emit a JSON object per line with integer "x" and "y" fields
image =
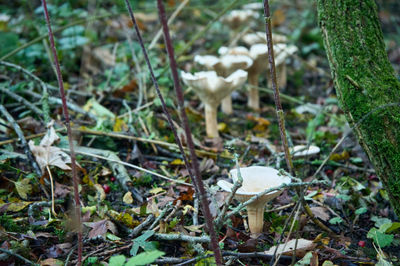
{"x": 335, "y": 220}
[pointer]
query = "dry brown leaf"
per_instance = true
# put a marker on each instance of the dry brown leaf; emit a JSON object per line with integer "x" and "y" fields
{"x": 321, "y": 213}
{"x": 100, "y": 228}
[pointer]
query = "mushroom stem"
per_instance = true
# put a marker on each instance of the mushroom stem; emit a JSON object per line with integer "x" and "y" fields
{"x": 226, "y": 105}
{"x": 253, "y": 100}
{"x": 280, "y": 75}
{"x": 211, "y": 121}
{"x": 255, "y": 215}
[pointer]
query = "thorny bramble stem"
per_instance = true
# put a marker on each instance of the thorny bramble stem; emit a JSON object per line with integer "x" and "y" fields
{"x": 69, "y": 132}
{"x": 198, "y": 182}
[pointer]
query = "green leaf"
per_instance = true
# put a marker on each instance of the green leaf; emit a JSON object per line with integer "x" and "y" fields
{"x": 381, "y": 239}
{"x": 145, "y": 258}
{"x": 118, "y": 260}
{"x": 335, "y": 220}
{"x": 140, "y": 242}
{"x": 395, "y": 226}
{"x": 379, "y": 221}
{"x": 306, "y": 260}
{"x": 361, "y": 210}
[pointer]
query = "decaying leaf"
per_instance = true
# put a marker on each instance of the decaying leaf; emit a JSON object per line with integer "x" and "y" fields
{"x": 23, "y": 188}
{"x": 321, "y": 213}
{"x": 100, "y": 228}
{"x": 128, "y": 198}
{"x": 100, "y": 192}
{"x": 14, "y": 206}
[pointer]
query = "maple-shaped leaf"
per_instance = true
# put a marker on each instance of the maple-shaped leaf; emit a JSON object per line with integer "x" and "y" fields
{"x": 101, "y": 228}
{"x": 50, "y": 156}
{"x": 23, "y": 188}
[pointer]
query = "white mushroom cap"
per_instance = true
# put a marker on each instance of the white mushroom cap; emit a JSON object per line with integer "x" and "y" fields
{"x": 237, "y": 17}
{"x": 302, "y": 151}
{"x": 253, "y": 6}
{"x": 212, "y": 88}
{"x": 238, "y": 50}
{"x": 260, "y": 37}
{"x": 224, "y": 65}
{"x": 284, "y": 52}
{"x": 255, "y": 180}
{"x": 209, "y": 61}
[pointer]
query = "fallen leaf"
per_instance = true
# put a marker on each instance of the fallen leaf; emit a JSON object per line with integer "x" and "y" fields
{"x": 100, "y": 192}
{"x": 100, "y": 228}
{"x": 321, "y": 213}
{"x": 14, "y": 206}
{"x": 128, "y": 198}
{"x": 50, "y": 156}
{"x": 23, "y": 188}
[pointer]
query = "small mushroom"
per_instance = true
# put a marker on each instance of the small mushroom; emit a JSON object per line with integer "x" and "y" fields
{"x": 260, "y": 37}
{"x": 300, "y": 151}
{"x": 255, "y": 180}
{"x": 259, "y": 53}
{"x": 224, "y": 66}
{"x": 253, "y": 6}
{"x": 236, "y": 18}
{"x": 211, "y": 89}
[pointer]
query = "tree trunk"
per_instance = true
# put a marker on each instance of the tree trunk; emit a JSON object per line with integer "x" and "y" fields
{"x": 366, "y": 84}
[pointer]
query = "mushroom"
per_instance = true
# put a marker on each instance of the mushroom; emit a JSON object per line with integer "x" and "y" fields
{"x": 260, "y": 37}
{"x": 259, "y": 53}
{"x": 300, "y": 151}
{"x": 236, "y": 18}
{"x": 211, "y": 89}
{"x": 224, "y": 66}
{"x": 256, "y": 179}
{"x": 253, "y": 6}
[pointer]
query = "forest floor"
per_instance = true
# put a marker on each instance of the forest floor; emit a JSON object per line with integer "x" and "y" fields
{"x": 138, "y": 203}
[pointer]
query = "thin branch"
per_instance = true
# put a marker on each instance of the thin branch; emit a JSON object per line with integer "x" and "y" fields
{"x": 23, "y": 101}
{"x": 69, "y": 131}
{"x": 198, "y": 182}
{"x": 259, "y": 195}
{"x": 9, "y": 252}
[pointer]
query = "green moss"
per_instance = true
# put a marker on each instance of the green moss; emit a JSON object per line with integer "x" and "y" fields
{"x": 365, "y": 80}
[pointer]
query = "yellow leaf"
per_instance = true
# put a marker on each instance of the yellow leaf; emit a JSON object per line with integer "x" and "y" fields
{"x": 222, "y": 127}
{"x": 100, "y": 192}
{"x": 156, "y": 190}
{"x": 23, "y": 188}
{"x": 120, "y": 125}
{"x": 15, "y": 206}
{"x": 128, "y": 198}
{"x": 177, "y": 162}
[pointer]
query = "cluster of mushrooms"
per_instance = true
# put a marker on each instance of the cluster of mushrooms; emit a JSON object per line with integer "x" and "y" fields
{"x": 228, "y": 72}
{"x": 234, "y": 65}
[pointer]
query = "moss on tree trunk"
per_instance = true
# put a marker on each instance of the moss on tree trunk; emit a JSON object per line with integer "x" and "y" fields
{"x": 366, "y": 84}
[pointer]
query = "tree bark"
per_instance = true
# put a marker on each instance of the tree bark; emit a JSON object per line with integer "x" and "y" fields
{"x": 366, "y": 84}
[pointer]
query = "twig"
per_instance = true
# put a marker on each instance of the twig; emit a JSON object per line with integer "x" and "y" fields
{"x": 9, "y": 252}
{"x": 256, "y": 197}
{"x": 22, "y": 100}
{"x": 131, "y": 165}
{"x": 196, "y": 179}
{"x": 141, "y": 226}
{"x": 228, "y": 201}
{"x": 69, "y": 132}
{"x": 170, "y": 20}
{"x": 180, "y": 237}
{"x": 35, "y": 205}
{"x": 25, "y": 145}
{"x": 162, "y": 214}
